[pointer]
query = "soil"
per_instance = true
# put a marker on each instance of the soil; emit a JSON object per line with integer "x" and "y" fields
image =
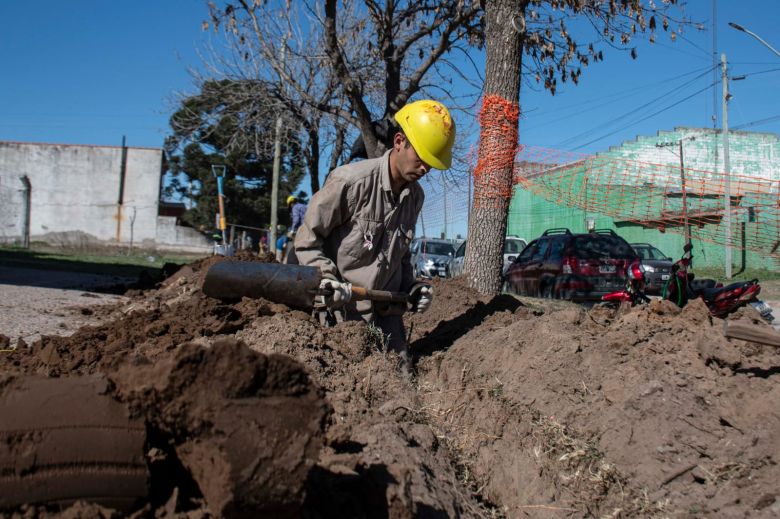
{"x": 516, "y": 407}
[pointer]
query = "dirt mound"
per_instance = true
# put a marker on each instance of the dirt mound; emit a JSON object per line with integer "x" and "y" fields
{"x": 519, "y": 408}
{"x": 245, "y": 427}
{"x": 645, "y": 411}
{"x": 173, "y": 358}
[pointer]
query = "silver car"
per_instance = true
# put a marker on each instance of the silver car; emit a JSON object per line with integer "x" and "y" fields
{"x": 431, "y": 257}
{"x": 513, "y": 245}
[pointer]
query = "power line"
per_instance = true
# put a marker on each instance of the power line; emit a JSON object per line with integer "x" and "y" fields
{"x": 570, "y": 140}
{"x": 607, "y": 99}
{"x": 646, "y": 117}
{"x": 756, "y": 123}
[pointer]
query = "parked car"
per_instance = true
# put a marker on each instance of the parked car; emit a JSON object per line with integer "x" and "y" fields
{"x": 565, "y": 265}
{"x": 658, "y": 266}
{"x": 431, "y": 257}
{"x": 513, "y": 245}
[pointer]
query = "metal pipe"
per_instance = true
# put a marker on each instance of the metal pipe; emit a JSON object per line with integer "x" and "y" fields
{"x": 27, "y": 210}
{"x": 121, "y": 197}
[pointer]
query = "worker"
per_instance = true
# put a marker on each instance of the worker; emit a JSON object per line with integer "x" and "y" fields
{"x": 281, "y": 244}
{"x": 359, "y": 226}
{"x": 297, "y": 212}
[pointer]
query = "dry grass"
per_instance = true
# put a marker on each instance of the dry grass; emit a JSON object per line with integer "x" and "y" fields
{"x": 583, "y": 469}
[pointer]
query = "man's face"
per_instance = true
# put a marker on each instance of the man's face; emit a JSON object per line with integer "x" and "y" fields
{"x": 410, "y": 166}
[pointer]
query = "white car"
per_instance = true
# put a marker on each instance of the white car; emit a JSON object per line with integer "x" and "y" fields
{"x": 431, "y": 257}
{"x": 513, "y": 245}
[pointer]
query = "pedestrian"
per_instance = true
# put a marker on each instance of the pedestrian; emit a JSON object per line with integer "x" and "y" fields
{"x": 281, "y": 244}
{"x": 263, "y": 243}
{"x": 297, "y": 212}
{"x": 358, "y": 227}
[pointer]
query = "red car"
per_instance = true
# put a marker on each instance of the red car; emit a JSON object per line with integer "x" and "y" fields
{"x": 564, "y": 265}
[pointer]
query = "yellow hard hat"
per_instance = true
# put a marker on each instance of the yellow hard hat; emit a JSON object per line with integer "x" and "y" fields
{"x": 431, "y": 131}
{"x": 291, "y": 199}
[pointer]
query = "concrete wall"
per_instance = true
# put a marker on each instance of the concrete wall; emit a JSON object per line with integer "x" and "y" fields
{"x": 751, "y": 154}
{"x": 76, "y": 188}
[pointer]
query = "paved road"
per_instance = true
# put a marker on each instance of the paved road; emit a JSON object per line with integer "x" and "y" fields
{"x": 41, "y": 302}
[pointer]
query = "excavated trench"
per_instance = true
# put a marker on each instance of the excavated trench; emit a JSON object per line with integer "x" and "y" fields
{"x": 517, "y": 408}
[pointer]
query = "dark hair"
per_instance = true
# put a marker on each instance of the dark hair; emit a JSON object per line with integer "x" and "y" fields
{"x": 385, "y": 130}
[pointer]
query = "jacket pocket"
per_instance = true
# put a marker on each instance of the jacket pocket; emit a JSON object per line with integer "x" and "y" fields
{"x": 365, "y": 240}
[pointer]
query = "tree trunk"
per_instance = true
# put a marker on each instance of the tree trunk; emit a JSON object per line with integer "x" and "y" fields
{"x": 498, "y": 143}
{"x": 338, "y": 149}
{"x": 314, "y": 158}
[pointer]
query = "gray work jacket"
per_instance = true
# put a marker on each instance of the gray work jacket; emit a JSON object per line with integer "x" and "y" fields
{"x": 357, "y": 230}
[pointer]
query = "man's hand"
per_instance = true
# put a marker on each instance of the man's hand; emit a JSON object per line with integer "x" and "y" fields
{"x": 421, "y": 297}
{"x": 334, "y": 294}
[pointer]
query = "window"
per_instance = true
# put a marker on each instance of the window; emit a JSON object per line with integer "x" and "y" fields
{"x": 597, "y": 246}
{"x": 438, "y": 248}
{"x": 461, "y": 250}
{"x": 513, "y": 246}
{"x": 528, "y": 253}
{"x": 556, "y": 249}
{"x": 541, "y": 250}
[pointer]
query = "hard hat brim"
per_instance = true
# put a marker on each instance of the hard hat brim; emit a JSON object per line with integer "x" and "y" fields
{"x": 444, "y": 159}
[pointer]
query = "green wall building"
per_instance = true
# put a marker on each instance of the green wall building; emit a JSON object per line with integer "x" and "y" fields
{"x": 636, "y": 190}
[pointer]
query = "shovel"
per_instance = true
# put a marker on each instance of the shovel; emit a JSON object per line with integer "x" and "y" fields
{"x": 292, "y": 285}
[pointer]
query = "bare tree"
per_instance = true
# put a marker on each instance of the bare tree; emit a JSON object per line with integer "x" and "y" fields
{"x": 530, "y": 39}
{"x": 351, "y": 63}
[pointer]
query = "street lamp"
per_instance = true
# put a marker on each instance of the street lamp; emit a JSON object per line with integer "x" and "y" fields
{"x": 756, "y": 36}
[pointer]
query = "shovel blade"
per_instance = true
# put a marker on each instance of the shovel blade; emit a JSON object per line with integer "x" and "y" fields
{"x": 292, "y": 285}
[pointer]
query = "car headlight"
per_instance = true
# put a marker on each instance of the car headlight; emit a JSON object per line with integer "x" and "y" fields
{"x": 429, "y": 263}
{"x": 649, "y": 268}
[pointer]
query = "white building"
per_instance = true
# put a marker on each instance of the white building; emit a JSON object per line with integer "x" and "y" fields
{"x": 63, "y": 193}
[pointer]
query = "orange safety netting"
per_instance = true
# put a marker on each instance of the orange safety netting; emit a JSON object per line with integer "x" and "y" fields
{"x": 660, "y": 196}
{"x": 497, "y": 149}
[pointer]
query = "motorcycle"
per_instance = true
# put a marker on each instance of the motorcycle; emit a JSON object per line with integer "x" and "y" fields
{"x": 720, "y": 300}
{"x": 634, "y": 292}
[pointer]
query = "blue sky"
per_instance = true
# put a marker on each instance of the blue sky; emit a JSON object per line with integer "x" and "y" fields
{"x": 608, "y": 107}
{"x": 91, "y": 71}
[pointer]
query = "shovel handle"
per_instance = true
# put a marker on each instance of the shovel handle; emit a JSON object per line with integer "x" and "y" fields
{"x": 361, "y": 294}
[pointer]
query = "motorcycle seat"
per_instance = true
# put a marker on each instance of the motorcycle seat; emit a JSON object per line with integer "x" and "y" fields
{"x": 710, "y": 294}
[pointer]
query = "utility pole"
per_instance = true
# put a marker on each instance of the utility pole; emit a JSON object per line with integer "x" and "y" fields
{"x": 275, "y": 182}
{"x": 683, "y": 185}
{"x": 684, "y": 197}
{"x": 276, "y": 168}
{"x": 726, "y": 165}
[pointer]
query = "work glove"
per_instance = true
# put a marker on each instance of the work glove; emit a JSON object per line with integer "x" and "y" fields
{"x": 334, "y": 294}
{"x": 420, "y": 297}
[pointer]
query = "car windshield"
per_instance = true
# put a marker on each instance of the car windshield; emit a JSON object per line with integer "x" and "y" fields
{"x": 601, "y": 246}
{"x": 438, "y": 249}
{"x": 650, "y": 253}
{"x": 512, "y": 246}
